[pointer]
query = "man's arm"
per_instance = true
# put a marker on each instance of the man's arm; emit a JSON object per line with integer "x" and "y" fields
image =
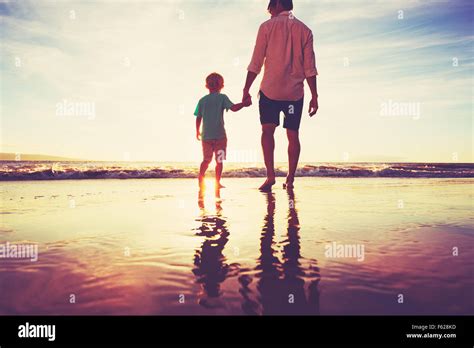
{"x": 310, "y": 72}
{"x": 258, "y": 58}
{"x": 251, "y": 76}
{"x": 198, "y": 127}
{"x": 313, "y": 104}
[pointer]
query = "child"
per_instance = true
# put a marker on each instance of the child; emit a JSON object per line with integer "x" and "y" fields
{"x": 210, "y": 109}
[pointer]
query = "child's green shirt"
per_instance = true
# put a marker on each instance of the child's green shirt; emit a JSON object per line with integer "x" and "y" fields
{"x": 211, "y": 108}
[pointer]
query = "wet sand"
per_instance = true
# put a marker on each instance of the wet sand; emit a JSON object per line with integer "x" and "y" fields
{"x": 154, "y": 247}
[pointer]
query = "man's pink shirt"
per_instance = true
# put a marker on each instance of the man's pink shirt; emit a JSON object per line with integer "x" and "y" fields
{"x": 285, "y": 47}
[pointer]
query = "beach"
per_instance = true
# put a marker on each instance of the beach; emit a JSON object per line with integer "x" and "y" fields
{"x": 156, "y": 246}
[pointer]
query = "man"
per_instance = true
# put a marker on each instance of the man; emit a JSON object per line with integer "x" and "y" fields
{"x": 285, "y": 46}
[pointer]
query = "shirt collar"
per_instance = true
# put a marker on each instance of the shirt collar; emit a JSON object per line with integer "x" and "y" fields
{"x": 284, "y": 13}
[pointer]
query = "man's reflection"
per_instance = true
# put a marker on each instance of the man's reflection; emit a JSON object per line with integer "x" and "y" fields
{"x": 281, "y": 284}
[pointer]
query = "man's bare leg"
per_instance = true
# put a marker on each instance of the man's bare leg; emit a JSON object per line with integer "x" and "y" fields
{"x": 294, "y": 149}
{"x": 268, "y": 146}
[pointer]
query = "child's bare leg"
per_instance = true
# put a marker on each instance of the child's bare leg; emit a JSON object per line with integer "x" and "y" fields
{"x": 220, "y": 157}
{"x": 219, "y": 168}
{"x": 202, "y": 170}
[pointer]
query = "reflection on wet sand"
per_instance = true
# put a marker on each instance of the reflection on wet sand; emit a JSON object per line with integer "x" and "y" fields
{"x": 281, "y": 284}
{"x": 128, "y": 248}
{"x": 210, "y": 267}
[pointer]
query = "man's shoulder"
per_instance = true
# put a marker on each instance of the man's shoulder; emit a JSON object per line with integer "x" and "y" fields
{"x": 267, "y": 23}
{"x": 301, "y": 23}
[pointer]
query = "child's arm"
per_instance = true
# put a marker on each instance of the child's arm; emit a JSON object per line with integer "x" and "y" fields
{"x": 238, "y": 106}
{"x": 198, "y": 128}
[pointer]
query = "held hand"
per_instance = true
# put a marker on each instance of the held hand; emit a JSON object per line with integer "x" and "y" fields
{"x": 313, "y": 106}
{"x": 198, "y": 136}
{"x": 247, "y": 101}
{"x": 246, "y": 96}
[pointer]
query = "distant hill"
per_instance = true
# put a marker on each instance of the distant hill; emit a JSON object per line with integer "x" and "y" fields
{"x": 34, "y": 157}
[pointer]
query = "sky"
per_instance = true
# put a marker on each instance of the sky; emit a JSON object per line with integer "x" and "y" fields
{"x": 119, "y": 80}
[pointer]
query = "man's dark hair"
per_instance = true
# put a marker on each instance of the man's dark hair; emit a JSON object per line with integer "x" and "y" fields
{"x": 286, "y": 4}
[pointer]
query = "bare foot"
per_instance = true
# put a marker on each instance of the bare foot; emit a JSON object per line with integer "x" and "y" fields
{"x": 288, "y": 184}
{"x": 219, "y": 185}
{"x": 267, "y": 185}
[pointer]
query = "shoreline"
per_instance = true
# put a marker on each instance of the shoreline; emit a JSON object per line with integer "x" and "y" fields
{"x": 243, "y": 177}
{"x": 31, "y": 171}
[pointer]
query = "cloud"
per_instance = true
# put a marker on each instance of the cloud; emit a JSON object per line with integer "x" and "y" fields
{"x": 143, "y": 65}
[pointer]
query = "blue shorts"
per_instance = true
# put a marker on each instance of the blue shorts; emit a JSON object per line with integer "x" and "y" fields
{"x": 270, "y": 112}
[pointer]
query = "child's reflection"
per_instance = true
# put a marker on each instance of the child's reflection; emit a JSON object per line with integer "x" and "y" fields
{"x": 210, "y": 267}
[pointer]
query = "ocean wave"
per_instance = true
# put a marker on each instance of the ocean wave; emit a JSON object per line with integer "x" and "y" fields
{"x": 13, "y": 171}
